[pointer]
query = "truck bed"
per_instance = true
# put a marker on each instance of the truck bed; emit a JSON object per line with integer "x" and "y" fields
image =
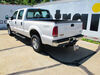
{"x": 57, "y": 21}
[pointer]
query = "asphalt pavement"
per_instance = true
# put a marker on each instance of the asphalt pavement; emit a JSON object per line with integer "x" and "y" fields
{"x": 17, "y": 57}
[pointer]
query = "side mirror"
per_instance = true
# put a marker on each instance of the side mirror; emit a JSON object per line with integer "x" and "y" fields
{"x": 6, "y": 17}
{"x": 11, "y": 18}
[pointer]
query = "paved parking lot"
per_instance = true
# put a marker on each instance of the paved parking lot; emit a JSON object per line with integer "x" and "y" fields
{"x": 18, "y": 58}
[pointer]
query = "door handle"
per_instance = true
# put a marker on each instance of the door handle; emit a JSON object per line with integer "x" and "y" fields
{"x": 15, "y": 22}
{"x": 21, "y": 23}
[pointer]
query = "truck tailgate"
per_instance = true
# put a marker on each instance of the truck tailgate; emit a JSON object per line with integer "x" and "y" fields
{"x": 69, "y": 29}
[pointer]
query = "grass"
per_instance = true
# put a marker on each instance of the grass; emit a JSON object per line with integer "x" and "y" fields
{"x": 91, "y": 41}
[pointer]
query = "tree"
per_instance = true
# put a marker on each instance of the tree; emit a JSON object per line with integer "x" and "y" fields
{"x": 24, "y": 2}
{"x": 46, "y": 0}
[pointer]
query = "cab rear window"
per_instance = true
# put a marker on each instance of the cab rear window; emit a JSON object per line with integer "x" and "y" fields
{"x": 36, "y": 13}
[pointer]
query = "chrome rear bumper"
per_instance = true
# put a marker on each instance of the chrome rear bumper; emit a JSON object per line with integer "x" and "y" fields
{"x": 66, "y": 40}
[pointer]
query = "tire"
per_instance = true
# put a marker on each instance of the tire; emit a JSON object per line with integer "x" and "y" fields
{"x": 36, "y": 43}
{"x": 10, "y": 32}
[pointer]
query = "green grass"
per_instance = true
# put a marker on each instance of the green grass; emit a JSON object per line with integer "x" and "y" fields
{"x": 91, "y": 41}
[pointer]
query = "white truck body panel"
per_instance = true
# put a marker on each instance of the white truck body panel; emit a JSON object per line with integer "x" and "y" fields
{"x": 67, "y": 30}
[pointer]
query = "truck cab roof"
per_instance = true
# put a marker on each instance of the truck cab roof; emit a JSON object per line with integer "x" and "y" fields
{"x": 30, "y": 8}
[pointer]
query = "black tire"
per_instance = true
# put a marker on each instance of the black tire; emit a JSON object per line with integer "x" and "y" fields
{"x": 36, "y": 43}
{"x": 10, "y": 32}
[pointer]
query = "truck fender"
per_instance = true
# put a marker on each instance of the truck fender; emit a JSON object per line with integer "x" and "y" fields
{"x": 36, "y": 29}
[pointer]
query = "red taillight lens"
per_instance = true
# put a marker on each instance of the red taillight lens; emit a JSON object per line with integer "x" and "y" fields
{"x": 55, "y": 31}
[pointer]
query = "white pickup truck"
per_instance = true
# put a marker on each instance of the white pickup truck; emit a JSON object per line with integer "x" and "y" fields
{"x": 39, "y": 25}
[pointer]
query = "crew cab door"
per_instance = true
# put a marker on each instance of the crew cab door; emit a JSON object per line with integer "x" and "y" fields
{"x": 19, "y": 22}
{"x": 12, "y": 22}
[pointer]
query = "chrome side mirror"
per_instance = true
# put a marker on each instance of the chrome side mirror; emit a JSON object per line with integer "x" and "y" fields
{"x": 6, "y": 17}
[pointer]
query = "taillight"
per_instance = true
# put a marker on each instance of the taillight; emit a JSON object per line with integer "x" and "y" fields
{"x": 55, "y": 31}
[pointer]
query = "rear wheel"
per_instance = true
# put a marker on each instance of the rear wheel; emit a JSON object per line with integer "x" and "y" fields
{"x": 10, "y": 32}
{"x": 36, "y": 43}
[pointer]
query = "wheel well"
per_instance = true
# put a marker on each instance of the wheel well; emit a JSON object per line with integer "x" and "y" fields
{"x": 7, "y": 25}
{"x": 32, "y": 32}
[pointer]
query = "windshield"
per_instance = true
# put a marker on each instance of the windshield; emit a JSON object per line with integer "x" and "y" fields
{"x": 37, "y": 13}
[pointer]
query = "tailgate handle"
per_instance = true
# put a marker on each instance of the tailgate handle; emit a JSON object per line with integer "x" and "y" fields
{"x": 72, "y": 25}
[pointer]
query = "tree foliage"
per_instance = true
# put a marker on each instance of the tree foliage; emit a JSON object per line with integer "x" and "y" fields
{"x": 22, "y": 2}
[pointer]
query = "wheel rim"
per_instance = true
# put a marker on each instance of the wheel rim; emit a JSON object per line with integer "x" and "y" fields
{"x": 35, "y": 43}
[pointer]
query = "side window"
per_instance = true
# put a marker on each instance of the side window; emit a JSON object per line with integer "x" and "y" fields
{"x": 15, "y": 15}
{"x": 37, "y": 13}
{"x": 20, "y": 15}
{"x": 84, "y": 19}
{"x": 95, "y": 22}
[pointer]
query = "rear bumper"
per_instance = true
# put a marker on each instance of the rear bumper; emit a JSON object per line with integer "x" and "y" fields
{"x": 66, "y": 40}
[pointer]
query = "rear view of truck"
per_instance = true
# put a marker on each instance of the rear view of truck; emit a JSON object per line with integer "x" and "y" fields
{"x": 66, "y": 32}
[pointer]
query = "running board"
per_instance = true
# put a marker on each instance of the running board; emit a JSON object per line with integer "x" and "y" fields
{"x": 20, "y": 35}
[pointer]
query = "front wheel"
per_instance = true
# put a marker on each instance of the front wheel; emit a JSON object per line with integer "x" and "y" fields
{"x": 10, "y": 32}
{"x": 36, "y": 43}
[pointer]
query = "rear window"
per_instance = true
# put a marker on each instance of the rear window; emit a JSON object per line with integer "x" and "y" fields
{"x": 37, "y": 13}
